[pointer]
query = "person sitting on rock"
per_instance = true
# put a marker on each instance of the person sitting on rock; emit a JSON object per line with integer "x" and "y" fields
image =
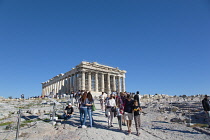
{"x": 68, "y": 112}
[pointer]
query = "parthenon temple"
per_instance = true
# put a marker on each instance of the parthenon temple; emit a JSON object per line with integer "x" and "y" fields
{"x": 86, "y": 76}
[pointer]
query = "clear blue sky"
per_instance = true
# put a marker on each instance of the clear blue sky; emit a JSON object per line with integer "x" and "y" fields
{"x": 163, "y": 45}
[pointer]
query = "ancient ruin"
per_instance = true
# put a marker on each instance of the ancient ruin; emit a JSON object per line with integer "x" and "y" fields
{"x": 87, "y": 76}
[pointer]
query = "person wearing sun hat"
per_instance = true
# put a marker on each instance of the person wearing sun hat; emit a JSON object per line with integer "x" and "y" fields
{"x": 68, "y": 112}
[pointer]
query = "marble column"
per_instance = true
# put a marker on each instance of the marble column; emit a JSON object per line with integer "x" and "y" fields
{"x": 67, "y": 85}
{"x": 50, "y": 88}
{"x": 119, "y": 84}
{"x": 89, "y": 81}
{"x": 56, "y": 87}
{"x": 75, "y": 82}
{"x": 114, "y": 83}
{"x": 46, "y": 90}
{"x": 60, "y": 83}
{"x": 96, "y": 82}
{"x": 123, "y": 81}
{"x": 83, "y": 80}
{"x": 102, "y": 82}
{"x": 53, "y": 89}
{"x": 108, "y": 83}
{"x": 42, "y": 91}
{"x": 64, "y": 85}
{"x": 59, "y": 86}
{"x": 70, "y": 83}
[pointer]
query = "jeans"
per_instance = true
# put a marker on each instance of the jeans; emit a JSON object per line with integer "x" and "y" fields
{"x": 120, "y": 121}
{"x": 67, "y": 117}
{"x": 83, "y": 111}
{"x": 102, "y": 104}
{"x": 90, "y": 115}
{"x": 110, "y": 115}
{"x": 208, "y": 117}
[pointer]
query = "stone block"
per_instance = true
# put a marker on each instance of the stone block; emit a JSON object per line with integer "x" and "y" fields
{"x": 178, "y": 120}
{"x": 53, "y": 123}
{"x": 34, "y": 111}
{"x": 58, "y": 124}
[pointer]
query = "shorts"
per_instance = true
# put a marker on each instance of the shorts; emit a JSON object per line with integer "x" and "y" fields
{"x": 128, "y": 116}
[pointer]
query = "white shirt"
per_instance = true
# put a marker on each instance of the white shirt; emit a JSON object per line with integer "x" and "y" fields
{"x": 102, "y": 97}
{"x": 111, "y": 102}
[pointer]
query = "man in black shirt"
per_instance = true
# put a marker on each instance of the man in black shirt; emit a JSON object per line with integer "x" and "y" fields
{"x": 137, "y": 97}
{"x": 206, "y": 107}
{"x": 68, "y": 112}
{"x": 128, "y": 114}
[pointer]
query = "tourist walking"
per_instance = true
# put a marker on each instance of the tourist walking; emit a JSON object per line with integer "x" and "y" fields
{"x": 22, "y": 96}
{"x": 120, "y": 109}
{"x": 110, "y": 105}
{"x": 128, "y": 115}
{"x": 72, "y": 97}
{"x": 137, "y": 97}
{"x": 102, "y": 98}
{"x": 105, "y": 101}
{"x": 83, "y": 110}
{"x": 136, "y": 111}
{"x": 206, "y": 107}
{"x": 77, "y": 97}
{"x": 89, "y": 104}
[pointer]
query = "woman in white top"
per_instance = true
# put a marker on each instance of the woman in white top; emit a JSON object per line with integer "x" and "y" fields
{"x": 102, "y": 98}
{"x": 109, "y": 105}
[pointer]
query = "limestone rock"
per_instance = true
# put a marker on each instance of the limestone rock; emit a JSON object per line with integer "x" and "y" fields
{"x": 178, "y": 120}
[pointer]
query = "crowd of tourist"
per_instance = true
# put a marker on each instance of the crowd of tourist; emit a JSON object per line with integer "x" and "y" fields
{"x": 124, "y": 106}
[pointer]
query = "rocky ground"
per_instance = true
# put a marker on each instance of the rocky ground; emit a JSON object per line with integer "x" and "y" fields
{"x": 161, "y": 120}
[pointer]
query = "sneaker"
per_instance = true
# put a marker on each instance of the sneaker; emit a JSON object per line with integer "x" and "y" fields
{"x": 83, "y": 126}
